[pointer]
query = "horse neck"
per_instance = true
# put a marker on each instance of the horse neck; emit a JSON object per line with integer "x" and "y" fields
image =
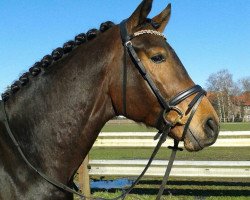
{"x": 57, "y": 118}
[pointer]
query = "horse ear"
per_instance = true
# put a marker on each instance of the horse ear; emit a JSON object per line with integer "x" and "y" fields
{"x": 140, "y": 14}
{"x": 163, "y": 18}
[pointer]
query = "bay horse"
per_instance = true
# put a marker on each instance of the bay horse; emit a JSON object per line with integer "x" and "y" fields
{"x": 57, "y": 109}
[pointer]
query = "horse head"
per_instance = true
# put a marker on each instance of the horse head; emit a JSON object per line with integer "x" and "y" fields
{"x": 197, "y": 128}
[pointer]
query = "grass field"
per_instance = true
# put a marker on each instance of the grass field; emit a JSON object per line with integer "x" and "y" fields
{"x": 245, "y": 126}
{"x": 242, "y": 153}
{"x": 129, "y": 127}
{"x": 194, "y": 189}
{"x": 180, "y": 188}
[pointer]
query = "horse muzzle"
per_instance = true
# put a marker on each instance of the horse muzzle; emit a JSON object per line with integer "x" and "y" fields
{"x": 196, "y": 139}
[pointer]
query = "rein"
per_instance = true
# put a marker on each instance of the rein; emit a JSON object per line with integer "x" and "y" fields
{"x": 164, "y": 125}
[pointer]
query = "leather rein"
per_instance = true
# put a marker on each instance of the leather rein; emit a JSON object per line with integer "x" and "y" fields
{"x": 164, "y": 128}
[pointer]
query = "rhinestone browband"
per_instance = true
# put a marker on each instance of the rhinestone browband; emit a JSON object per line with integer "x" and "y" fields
{"x": 149, "y": 32}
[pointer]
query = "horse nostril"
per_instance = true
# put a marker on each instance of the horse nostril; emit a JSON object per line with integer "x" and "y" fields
{"x": 211, "y": 128}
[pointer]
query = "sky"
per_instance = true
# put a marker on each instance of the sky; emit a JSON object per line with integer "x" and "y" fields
{"x": 207, "y": 35}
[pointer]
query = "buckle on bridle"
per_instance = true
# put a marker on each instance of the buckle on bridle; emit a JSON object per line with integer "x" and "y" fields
{"x": 177, "y": 120}
{"x": 128, "y": 43}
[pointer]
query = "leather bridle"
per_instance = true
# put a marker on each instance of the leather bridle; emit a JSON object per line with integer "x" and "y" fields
{"x": 164, "y": 125}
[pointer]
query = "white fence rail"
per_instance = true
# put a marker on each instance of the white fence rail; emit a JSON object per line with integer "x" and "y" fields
{"x": 145, "y": 139}
{"x": 226, "y": 169}
{"x": 229, "y": 169}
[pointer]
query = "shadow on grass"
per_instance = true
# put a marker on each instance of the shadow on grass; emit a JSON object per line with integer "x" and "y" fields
{"x": 196, "y": 183}
{"x": 183, "y": 192}
{"x": 150, "y": 187}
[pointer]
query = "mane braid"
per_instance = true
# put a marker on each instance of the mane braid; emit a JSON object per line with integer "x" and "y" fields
{"x": 48, "y": 60}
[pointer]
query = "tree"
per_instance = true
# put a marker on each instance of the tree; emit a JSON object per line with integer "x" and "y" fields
{"x": 222, "y": 85}
{"x": 245, "y": 84}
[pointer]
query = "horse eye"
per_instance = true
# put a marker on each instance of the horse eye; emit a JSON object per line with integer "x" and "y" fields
{"x": 159, "y": 58}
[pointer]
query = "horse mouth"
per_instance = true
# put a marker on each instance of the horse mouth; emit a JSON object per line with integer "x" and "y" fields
{"x": 196, "y": 140}
{"x": 191, "y": 143}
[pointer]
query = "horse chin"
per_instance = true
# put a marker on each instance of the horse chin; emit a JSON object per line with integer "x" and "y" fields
{"x": 190, "y": 143}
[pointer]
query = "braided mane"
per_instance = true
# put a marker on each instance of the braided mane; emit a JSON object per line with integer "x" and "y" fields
{"x": 48, "y": 60}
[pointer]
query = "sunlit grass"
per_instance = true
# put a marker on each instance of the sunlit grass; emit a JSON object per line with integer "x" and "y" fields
{"x": 243, "y": 126}
{"x": 218, "y": 153}
{"x": 134, "y": 127}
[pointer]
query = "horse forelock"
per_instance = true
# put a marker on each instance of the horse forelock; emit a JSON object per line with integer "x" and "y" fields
{"x": 57, "y": 54}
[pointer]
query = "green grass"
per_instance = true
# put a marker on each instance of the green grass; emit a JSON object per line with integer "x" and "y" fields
{"x": 169, "y": 197}
{"x": 244, "y": 126}
{"x": 219, "y": 153}
{"x": 129, "y": 127}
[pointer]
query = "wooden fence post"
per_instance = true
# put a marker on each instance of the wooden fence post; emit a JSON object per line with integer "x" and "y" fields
{"x": 83, "y": 172}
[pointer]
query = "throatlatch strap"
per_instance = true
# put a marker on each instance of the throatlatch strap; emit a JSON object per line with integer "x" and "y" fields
{"x": 124, "y": 84}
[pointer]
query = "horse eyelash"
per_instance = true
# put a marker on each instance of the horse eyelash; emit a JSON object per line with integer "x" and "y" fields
{"x": 161, "y": 58}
